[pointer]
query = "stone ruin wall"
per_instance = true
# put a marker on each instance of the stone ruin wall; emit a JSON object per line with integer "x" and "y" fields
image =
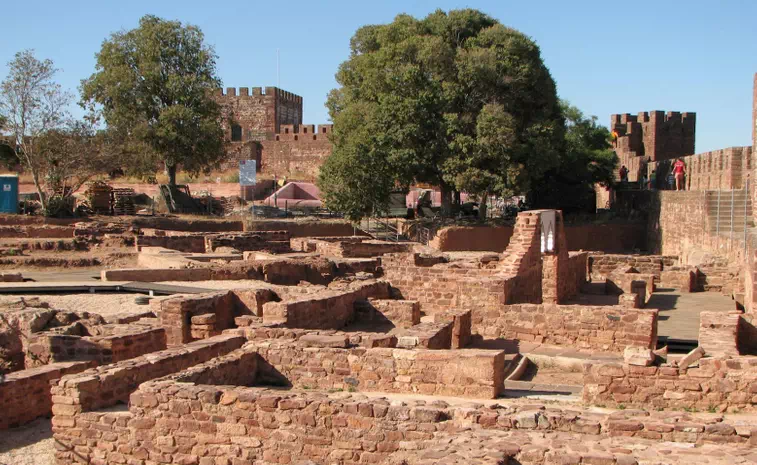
{"x": 33, "y": 386}
{"x": 716, "y": 383}
{"x": 506, "y": 301}
{"x": 211, "y": 414}
{"x": 132, "y": 342}
{"x": 714, "y": 377}
{"x": 608, "y": 238}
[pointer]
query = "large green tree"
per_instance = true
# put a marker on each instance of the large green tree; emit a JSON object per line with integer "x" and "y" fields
{"x": 587, "y": 161}
{"x": 154, "y": 85}
{"x": 456, "y": 100}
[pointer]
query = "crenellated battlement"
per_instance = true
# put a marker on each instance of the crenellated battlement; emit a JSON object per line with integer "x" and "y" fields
{"x": 655, "y": 135}
{"x": 280, "y": 94}
{"x": 654, "y": 116}
{"x": 304, "y": 132}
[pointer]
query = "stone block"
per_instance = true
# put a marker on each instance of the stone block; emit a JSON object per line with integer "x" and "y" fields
{"x": 314, "y": 340}
{"x": 638, "y": 356}
{"x": 718, "y": 333}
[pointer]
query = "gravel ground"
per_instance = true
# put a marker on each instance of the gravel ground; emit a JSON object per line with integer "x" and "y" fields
{"x": 103, "y": 303}
{"x": 31, "y": 444}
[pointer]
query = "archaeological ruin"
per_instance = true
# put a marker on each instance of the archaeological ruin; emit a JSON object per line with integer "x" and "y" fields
{"x": 148, "y": 339}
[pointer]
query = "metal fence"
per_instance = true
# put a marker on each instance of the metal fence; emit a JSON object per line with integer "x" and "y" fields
{"x": 729, "y": 215}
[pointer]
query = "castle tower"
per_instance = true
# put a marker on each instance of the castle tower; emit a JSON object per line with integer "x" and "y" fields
{"x": 259, "y": 115}
{"x": 653, "y": 136}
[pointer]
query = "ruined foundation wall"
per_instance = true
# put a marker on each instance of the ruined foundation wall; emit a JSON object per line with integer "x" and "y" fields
{"x": 602, "y": 266}
{"x": 306, "y": 228}
{"x": 50, "y": 348}
{"x": 607, "y": 328}
{"x": 325, "y": 310}
{"x": 25, "y": 395}
{"x": 716, "y": 384}
{"x": 110, "y": 384}
{"x": 458, "y": 373}
{"x": 201, "y": 424}
{"x": 608, "y": 238}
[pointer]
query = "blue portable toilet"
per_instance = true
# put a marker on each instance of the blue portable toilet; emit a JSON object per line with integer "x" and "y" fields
{"x": 8, "y": 193}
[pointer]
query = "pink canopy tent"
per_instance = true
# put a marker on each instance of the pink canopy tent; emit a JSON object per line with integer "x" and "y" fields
{"x": 296, "y": 194}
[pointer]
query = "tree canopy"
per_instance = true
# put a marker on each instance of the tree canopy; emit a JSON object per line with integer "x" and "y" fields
{"x": 31, "y": 105}
{"x": 456, "y": 100}
{"x": 586, "y": 161}
{"x": 154, "y": 85}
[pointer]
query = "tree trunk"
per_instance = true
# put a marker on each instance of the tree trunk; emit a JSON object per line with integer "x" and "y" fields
{"x": 171, "y": 175}
{"x": 40, "y": 192}
{"x": 482, "y": 207}
{"x": 446, "y": 201}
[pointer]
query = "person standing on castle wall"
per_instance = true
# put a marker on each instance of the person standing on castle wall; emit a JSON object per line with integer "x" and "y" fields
{"x": 679, "y": 171}
{"x": 614, "y": 138}
{"x": 653, "y": 180}
{"x": 623, "y": 174}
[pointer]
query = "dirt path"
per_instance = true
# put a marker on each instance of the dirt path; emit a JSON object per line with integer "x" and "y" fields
{"x": 31, "y": 444}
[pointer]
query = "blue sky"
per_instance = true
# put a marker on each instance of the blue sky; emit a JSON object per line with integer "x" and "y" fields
{"x": 606, "y": 57}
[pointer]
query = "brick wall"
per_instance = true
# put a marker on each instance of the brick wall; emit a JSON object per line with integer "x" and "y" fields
{"x": 188, "y": 225}
{"x": 305, "y": 228}
{"x": 325, "y": 310}
{"x": 130, "y": 342}
{"x": 175, "y": 313}
{"x": 253, "y": 424}
{"x": 715, "y": 384}
{"x": 25, "y": 395}
{"x": 607, "y": 328}
{"x": 458, "y": 373}
{"x": 441, "y": 287}
{"x": 108, "y": 385}
{"x": 601, "y": 266}
{"x": 609, "y": 237}
{"x": 271, "y": 241}
{"x": 190, "y": 243}
{"x": 348, "y": 246}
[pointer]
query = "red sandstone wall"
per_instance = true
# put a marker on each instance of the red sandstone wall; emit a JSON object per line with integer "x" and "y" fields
{"x": 715, "y": 384}
{"x": 110, "y": 384}
{"x": 300, "y": 159}
{"x": 723, "y": 169}
{"x": 189, "y": 225}
{"x": 249, "y": 425}
{"x": 305, "y": 228}
{"x": 655, "y": 134}
{"x": 25, "y": 395}
{"x": 260, "y": 114}
{"x": 460, "y": 373}
{"x": 609, "y": 238}
{"x": 51, "y": 348}
{"x": 607, "y": 328}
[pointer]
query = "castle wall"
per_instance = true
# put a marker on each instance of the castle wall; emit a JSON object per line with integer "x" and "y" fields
{"x": 260, "y": 113}
{"x": 655, "y": 135}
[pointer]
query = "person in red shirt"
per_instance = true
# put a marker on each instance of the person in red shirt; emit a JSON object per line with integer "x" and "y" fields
{"x": 679, "y": 170}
